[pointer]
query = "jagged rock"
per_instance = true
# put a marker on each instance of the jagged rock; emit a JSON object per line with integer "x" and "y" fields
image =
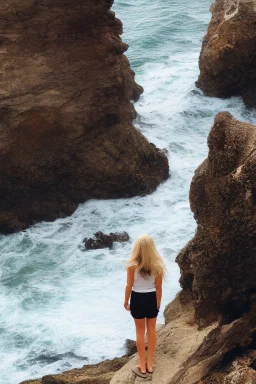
{"x": 105, "y": 241}
{"x": 119, "y": 236}
{"x": 66, "y": 132}
{"x": 90, "y": 374}
{"x": 219, "y": 264}
{"x": 228, "y": 55}
{"x": 238, "y": 371}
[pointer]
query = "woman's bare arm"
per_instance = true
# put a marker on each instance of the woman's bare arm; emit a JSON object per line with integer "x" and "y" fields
{"x": 129, "y": 284}
{"x": 159, "y": 280}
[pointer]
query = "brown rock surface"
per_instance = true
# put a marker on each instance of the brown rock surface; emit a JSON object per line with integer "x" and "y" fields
{"x": 89, "y": 374}
{"x": 184, "y": 354}
{"x": 219, "y": 264}
{"x": 66, "y": 132}
{"x": 228, "y": 55}
{"x": 238, "y": 371}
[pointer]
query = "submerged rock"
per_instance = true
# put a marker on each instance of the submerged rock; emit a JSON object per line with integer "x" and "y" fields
{"x": 228, "y": 55}
{"x": 66, "y": 132}
{"x": 105, "y": 241}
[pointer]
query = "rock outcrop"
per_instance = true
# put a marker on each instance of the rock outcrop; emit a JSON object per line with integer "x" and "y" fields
{"x": 66, "y": 132}
{"x": 240, "y": 370}
{"x": 103, "y": 240}
{"x": 218, "y": 266}
{"x": 228, "y": 55}
{"x": 89, "y": 374}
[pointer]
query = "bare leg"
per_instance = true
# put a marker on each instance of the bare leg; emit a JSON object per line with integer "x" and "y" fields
{"x": 151, "y": 331}
{"x": 140, "y": 332}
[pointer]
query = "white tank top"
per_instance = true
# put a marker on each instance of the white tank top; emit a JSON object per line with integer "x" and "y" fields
{"x": 141, "y": 284}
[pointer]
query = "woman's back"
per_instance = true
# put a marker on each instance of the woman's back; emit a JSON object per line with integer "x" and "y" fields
{"x": 143, "y": 284}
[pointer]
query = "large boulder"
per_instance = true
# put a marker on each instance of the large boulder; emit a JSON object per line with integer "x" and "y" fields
{"x": 219, "y": 265}
{"x": 66, "y": 132}
{"x": 228, "y": 55}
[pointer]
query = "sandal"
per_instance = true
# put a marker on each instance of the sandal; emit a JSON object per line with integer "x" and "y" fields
{"x": 138, "y": 372}
{"x": 149, "y": 370}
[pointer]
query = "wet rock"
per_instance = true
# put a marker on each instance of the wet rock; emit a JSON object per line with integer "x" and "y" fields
{"x": 66, "y": 132}
{"x": 119, "y": 236}
{"x": 105, "y": 241}
{"x": 227, "y": 59}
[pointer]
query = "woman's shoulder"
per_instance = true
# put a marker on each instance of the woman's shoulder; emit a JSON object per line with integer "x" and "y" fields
{"x": 132, "y": 264}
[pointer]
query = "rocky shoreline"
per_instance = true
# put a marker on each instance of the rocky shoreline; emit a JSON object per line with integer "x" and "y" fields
{"x": 210, "y": 327}
{"x": 209, "y": 335}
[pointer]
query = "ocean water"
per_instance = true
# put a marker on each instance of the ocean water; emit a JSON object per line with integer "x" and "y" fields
{"x": 61, "y": 307}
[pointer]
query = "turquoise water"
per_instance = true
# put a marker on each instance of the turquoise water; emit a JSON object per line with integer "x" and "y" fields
{"x": 61, "y": 307}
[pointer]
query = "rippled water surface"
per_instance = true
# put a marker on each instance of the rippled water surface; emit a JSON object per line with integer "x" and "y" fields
{"x": 61, "y": 307}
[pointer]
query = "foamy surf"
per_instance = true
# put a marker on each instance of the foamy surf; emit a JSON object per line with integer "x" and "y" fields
{"x": 62, "y": 307}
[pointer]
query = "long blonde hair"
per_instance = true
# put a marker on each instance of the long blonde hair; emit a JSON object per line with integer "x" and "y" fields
{"x": 146, "y": 256}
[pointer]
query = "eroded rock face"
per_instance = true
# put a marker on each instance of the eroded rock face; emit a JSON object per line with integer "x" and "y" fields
{"x": 66, "y": 132}
{"x": 238, "y": 371}
{"x": 219, "y": 265}
{"x": 227, "y": 59}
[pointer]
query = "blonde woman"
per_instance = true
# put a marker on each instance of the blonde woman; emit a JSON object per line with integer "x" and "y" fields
{"x": 145, "y": 271}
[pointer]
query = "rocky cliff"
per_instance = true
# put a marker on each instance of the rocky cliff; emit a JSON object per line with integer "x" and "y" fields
{"x": 227, "y": 59}
{"x": 209, "y": 336}
{"x": 219, "y": 264}
{"x": 66, "y": 132}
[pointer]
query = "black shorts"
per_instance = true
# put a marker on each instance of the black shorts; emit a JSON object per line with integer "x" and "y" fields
{"x": 143, "y": 304}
